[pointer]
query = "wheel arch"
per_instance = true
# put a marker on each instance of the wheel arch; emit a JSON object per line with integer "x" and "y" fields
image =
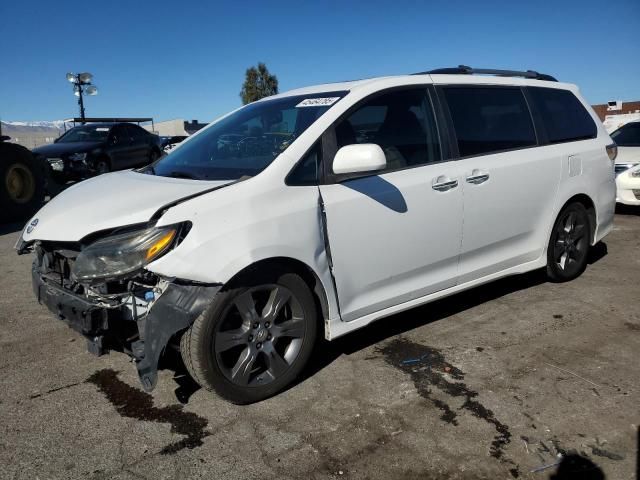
{"x": 589, "y": 205}
{"x": 292, "y": 265}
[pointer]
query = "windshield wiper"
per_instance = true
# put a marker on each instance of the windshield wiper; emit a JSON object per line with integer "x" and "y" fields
{"x": 181, "y": 174}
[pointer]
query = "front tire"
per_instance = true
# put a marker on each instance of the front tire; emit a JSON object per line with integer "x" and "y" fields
{"x": 569, "y": 244}
{"x": 254, "y": 339}
{"x": 102, "y": 166}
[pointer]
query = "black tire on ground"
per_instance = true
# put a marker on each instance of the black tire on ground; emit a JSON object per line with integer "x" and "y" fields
{"x": 103, "y": 165}
{"x": 22, "y": 183}
{"x": 569, "y": 244}
{"x": 230, "y": 328}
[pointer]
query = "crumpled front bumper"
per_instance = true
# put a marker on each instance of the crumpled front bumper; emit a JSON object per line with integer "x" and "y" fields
{"x": 81, "y": 315}
{"x": 175, "y": 309}
{"x": 628, "y": 189}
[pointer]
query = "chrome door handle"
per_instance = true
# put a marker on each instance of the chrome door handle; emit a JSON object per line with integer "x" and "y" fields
{"x": 442, "y": 184}
{"x": 477, "y": 177}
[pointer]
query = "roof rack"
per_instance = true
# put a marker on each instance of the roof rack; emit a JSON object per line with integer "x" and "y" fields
{"x": 465, "y": 70}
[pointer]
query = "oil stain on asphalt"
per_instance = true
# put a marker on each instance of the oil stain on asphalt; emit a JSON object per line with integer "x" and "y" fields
{"x": 428, "y": 369}
{"x": 133, "y": 403}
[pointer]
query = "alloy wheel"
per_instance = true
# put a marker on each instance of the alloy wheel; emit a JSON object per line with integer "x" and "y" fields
{"x": 260, "y": 335}
{"x": 572, "y": 241}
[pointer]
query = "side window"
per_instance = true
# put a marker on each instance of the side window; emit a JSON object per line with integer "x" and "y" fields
{"x": 489, "y": 120}
{"x": 401, "y": 122}
{"x": 306, "y": 171}
{"x": 564, "y": 117}
{"x": 627, "y": 135}
{"x": 135, "y": 133}
{"x": 119, "y": 133}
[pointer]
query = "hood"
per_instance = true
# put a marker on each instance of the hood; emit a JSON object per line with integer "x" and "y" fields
{"x": 57, "y": 149}
{"x": 109, "y": 201}
{"x": 628, "y": 155}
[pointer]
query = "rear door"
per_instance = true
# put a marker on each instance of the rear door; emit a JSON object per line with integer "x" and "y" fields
{"x": 393, "y": 236}
{"x": 509, "y": 184}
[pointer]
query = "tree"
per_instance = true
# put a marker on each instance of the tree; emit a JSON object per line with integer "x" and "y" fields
{"x": 258, "y": 83}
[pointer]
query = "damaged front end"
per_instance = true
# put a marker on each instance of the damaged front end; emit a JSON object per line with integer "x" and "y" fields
{"x": 136, "y": 312}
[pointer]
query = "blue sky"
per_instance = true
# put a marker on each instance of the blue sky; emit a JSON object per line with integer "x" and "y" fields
{"x": 171, "y": 59}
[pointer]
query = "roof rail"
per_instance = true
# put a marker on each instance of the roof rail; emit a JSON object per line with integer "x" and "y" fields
{"x": 465, "y": 70}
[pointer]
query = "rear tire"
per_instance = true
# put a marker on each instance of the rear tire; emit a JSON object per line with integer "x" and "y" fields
{"x": 569, "y": 245}
{"x": 254, "y": 339}
{"x": 22, "y": 183}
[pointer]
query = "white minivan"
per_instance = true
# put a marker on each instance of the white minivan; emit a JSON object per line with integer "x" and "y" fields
{"x": 317, "y": 211}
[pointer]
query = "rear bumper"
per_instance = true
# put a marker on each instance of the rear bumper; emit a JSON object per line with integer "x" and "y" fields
{"x": 117, "y": 327}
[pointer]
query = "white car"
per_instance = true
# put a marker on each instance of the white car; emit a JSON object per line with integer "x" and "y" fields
{"x": 627, "y": 166}
{"x": 317, "y": 211}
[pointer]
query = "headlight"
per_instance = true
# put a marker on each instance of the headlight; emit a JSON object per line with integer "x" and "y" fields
{"x": 635, "y": 171}
{"x": 56, "y": 164}
{"x": 122, "y": 253}
{"x": 77, "y": 157}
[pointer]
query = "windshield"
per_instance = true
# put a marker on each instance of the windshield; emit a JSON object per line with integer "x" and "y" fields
{"x": 85, "y": 134}
{"x": 627, "y": 135}
{"x": 247, "y": 141}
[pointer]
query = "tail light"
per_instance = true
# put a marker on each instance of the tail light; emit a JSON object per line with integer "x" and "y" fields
{"x": 612, "y": 151}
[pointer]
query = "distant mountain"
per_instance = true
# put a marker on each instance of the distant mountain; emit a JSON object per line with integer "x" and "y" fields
{"x": 54, "y": 124}
{"x": 33, "y": 134}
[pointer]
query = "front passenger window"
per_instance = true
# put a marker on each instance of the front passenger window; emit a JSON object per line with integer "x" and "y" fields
{"x": 400, "y": 122}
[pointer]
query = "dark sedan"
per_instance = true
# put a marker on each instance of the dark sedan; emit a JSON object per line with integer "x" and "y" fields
{"x": 98, "y": 148}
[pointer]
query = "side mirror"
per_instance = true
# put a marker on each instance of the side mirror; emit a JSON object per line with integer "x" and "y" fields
{"x": 364, "y": 157}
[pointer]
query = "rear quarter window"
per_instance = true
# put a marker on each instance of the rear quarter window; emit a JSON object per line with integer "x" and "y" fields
{"x": 564, "y": 117}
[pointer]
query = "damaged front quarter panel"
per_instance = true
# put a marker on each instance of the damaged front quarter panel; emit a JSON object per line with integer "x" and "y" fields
{"x": 175, "y": 310}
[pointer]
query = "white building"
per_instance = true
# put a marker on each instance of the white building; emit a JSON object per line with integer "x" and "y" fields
{"x": 175, "y": 127}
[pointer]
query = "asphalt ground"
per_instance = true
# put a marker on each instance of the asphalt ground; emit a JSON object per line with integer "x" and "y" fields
{"x": 491, "y": 383}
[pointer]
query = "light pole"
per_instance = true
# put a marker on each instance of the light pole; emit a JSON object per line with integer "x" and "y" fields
{"x": 81, "y": 85}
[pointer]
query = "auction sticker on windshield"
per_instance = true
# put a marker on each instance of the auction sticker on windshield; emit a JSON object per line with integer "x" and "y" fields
{"x": 318, "y": 102}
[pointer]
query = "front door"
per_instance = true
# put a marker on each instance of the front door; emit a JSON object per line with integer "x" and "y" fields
{"x": 394, "y": 236}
